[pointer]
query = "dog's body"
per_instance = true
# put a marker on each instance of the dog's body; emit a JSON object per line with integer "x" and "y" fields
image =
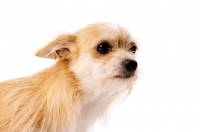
{"x": 95, "y": 65}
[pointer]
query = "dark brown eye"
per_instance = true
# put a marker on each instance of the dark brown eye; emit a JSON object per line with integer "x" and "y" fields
{"x": 103, "y": 48}
{"x": 133, "y": 49}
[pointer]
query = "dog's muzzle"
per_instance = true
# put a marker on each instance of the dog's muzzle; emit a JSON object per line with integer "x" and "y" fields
{"x": 130, "y": 65}
{"x": 129, "y": 68}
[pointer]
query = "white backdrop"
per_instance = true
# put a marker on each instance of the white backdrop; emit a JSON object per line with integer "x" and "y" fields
{"x": 166, "y": 97}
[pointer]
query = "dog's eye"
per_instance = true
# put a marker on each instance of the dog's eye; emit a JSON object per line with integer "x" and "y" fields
{"x": 103, "y": 48}
{"x": 133, "y": 49}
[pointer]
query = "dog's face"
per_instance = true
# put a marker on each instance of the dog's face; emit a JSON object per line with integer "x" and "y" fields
{"x": 98, "y": 52}
{"x": 108, "y": 50}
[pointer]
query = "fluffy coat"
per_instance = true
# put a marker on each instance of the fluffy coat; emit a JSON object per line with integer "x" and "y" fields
{"x": 72, "y": 94}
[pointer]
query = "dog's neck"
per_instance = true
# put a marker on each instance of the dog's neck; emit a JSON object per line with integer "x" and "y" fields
{"x": 94, "y": 105}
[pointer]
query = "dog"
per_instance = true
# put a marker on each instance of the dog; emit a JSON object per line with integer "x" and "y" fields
{"x": 94, "y": 66}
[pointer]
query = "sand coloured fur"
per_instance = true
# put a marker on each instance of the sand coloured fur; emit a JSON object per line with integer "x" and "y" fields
{"x": 73, "y": 93}
{"x": 33, "y": 104}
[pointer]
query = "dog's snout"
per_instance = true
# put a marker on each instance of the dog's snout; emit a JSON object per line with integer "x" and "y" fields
{"x": 130, "y": 65}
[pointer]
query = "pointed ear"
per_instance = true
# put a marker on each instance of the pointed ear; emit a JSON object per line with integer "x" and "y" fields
{"x": 59, "y": 48}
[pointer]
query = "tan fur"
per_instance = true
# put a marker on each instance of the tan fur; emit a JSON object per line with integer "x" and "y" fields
{"x": 70, "y": 95}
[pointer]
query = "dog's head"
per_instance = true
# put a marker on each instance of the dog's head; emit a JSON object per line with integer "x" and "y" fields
{"x": 99, "y": 52}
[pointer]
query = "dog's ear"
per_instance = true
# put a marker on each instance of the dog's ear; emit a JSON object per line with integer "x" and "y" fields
{"x": 59, "y": 48}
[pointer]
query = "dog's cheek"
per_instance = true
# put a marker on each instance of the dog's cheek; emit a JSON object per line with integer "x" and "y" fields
{"x": 82, "y": 67}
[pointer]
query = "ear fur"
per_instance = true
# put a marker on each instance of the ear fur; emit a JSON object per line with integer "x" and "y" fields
{"x": 59, "y": 48}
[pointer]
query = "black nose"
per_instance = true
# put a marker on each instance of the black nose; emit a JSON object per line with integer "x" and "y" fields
{"x": 130, "y": 65}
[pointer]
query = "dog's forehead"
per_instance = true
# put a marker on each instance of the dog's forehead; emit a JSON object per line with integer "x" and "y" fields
{"x": 114, "y": 31}
{"x": 105, "y": 31}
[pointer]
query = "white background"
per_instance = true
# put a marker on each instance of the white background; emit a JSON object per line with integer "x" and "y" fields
{"x": 166, "y": 97}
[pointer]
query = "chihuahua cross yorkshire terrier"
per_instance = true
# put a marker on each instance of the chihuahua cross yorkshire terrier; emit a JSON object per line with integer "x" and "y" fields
{"x": 94, "y": 66}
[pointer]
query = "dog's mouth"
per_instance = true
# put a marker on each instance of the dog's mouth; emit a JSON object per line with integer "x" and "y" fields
{"x": 125, "y": 75}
